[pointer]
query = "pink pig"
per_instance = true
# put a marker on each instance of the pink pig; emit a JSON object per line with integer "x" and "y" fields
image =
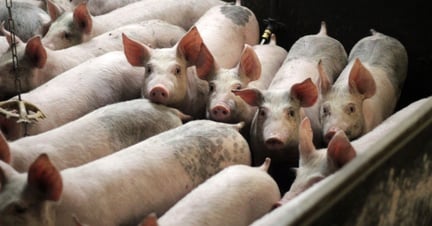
{"x": 124, "y": 187}
{"x": 95, "y": 83}
{"x": 237, "y": 195}
{"x": 367, "y": 90}
{"x": 39, "y": 64}
{"x": 79, "y": 26}
{"x": 94, "y": 135}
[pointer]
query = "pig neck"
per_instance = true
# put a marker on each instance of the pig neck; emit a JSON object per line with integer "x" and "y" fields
{"x": 96, "y": 181}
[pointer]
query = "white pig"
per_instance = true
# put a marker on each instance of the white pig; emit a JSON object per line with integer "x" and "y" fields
{"x": 274, "y": 128}
{"x": 96, "y": 134}
{"x": 97, "y": 82}
{"x": 39, "y": 64}
{"x": 167, "y": 79}
{"x": 368, "y": 88}
{"x": 79, "y": 26}
{"x": 124, "y": 187}
{"x": 237, "y": 195}
{"x": 256, "y": 68}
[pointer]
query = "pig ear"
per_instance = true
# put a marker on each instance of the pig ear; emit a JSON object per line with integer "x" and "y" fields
{"x": 150, "y": 220}
{"x": 361, "y": 80}
{"x": 192, "y": 48}
{"x": 249, "y": 66}
{"x": 4, "y": 149}
{"x": 324, "y": 83}
{"x": 306, "y": 147}
{"x": 266, "y": 164}
{"x": 36, "y": 52}
{"x": 82, "y": 18}
{"x": 136, "y": 53}
{"x": 340, "y": 150}
{"x": 45, "y": 178}
{"x": 251, "y": 96}
{"x": 53, "y": 10}
{"x": 306, "y": 92}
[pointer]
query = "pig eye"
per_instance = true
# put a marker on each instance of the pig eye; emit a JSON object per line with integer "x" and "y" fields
{"x": 237, "y": 87}
{"x": 18, "y": 208}
{"x": 211, "y": 86}
{"x": 262, "y": 112}
{"x": 66, "y": 35}
{"x": 177, "y": 70}
{"x": 149, "y": 69}
{"x": 326, "y": 110}
{"x": 291, "y": 112}
{"x": 351, "y": 108}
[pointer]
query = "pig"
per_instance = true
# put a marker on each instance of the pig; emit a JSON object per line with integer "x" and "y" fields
{"x": 315, "y": 165}
{"x": 238, "y": 25}
{"x": 95, "y": 83}
{"x": 40, "y": 64}
{"x": 368, "y": 88}
{"x": 169, "y": 82}
{"x": 94, "y": 135}
{"x": 124, "y": 187}
{"x": 72, "y": 28}
{"x": 256, "y": 68}
{"x": 237, "y": 195}
{"x": 29, "y": 19}
{"x": 274, "y": 128}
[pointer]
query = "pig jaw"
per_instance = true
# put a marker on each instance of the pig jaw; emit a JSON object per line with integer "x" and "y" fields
{"x": 342, "y": 112}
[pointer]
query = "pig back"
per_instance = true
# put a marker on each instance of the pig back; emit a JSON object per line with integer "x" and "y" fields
{"x": 225, "y": 29}
{"x": 168, "y": 165}
{"x": 271, "y": 57}
{"x": 320, "y": 47}
{"x": 384, "y": 52}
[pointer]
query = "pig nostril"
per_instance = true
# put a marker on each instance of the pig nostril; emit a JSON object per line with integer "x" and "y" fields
{"x": 220, "y": 113}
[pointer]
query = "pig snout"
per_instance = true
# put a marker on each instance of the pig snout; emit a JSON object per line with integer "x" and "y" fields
{"x": 159, "y": 94}
{"x": 330, "y": 133}
{"x": 220, "y": 112}
{"x": 274, "y": 143}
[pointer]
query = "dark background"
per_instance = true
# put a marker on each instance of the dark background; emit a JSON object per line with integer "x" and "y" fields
{"x": 350, "y": 21}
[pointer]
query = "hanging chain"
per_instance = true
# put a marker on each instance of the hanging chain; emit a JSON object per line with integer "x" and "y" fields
{"x": 13, "y": 48}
